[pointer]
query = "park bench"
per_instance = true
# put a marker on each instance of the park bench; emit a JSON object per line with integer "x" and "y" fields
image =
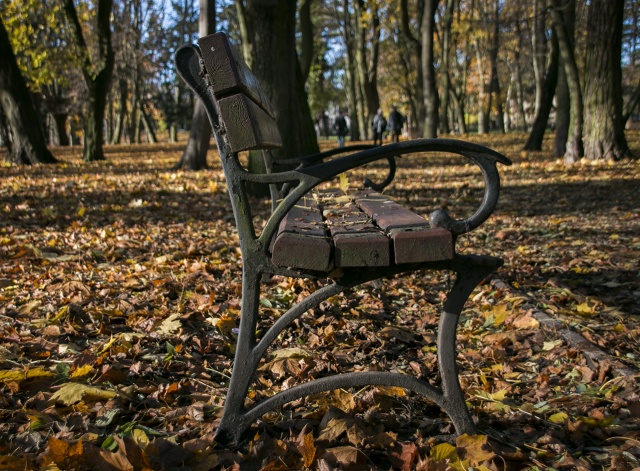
{"x": 347, "y": 238}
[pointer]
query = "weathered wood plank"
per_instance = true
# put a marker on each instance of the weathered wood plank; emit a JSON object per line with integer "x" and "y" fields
{"x": 248, "y": 126}
{"x": 414, "y": 240}
{"x": 228, "y": 72}
{"x": 357, "y": 241}
{"x": 302, "y": 240}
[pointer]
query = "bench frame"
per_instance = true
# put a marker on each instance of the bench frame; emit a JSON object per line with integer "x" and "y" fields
{"x": 287, "y": 188}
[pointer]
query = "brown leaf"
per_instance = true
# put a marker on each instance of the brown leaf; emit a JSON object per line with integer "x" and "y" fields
{"x": 475, "y": 448}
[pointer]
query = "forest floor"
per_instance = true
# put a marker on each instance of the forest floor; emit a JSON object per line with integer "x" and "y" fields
{"x": 120, "y": 292}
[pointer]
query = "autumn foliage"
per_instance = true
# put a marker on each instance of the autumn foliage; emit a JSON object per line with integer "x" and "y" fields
{"x": 119, "y": 303}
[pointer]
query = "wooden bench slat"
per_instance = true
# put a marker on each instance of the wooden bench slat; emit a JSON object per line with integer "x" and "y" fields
{"x": 248, "y": 126}
{"x": 357, "y": 241}
{"x": 302, "y": 241}
{"x": 414, "y": 240}
{"x": 228, "y": 72}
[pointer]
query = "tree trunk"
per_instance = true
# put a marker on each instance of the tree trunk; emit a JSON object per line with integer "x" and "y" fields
{"x": 367, "y": 76}
{"x": 563, "y": 98}
{"x": 355, "y": 122}
{"x": 306, "y": 32}
{"x": 116, "y": 138}
{"x": 194, "y": 156}
{"x": 272, "y": 29}
{"x": 148, "y": 125}
{"x": 428, "y": 70}
{"x": 482, "y": 92}
{"x": 574, "y": 150}
{"x": 538, "y": 47}
{"x": 446, "y": 78}
{"x": 61, "y": 128}
{"x": 549, "y": 85}
{"x": 494, "y": 81}
{"x": 522, "y": 117}
{"x": 29, "y": 144}
{"x": 604, "y": 127}
{"x": 416, "y": 47}
{"x": 631, "y": 104}
{"x": 97, "y": 76}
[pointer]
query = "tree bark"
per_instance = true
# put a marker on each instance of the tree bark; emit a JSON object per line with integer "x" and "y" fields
{"x": 416, "y": 47}
{"x": 494, "y": 81}
{"x": 604, "y": 127}
{"x": 538, "y": 47}
{"x": 445, "y": 60}
{"x": 29, "y": 143}
{"x": 631, "y": 104}
{"x": 347, "y": 36}
{"x": 367, "y": 66}
{"x": 194, "y": 156}
{"x": 116, "y": 138}
{"x": 563, "y": 98}
{"x": 272, "y": 28}
{"x": 522, "y": 117}
{"x": 431, "y": 98}
{"x": 549, "y": 85}
{"x": 574, "y": 149}
{"x": 306, "y": 32}
{"x": 97, "y": 75}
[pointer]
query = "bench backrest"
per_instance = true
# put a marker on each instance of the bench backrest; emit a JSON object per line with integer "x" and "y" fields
{"x": 244, "y": 109}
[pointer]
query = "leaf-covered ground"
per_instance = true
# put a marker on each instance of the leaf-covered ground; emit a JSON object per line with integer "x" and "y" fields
{"x": 120, "y": 291}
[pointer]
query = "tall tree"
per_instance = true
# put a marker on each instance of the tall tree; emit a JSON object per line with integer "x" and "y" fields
{"x": 563, "y": 97}
{"x": 97, "y": 73}
{"x": 28, "y": 145}
{"x": 445, "y": 76}
{"x": 574, "y": 148}
{"x": 534, "y": 142}
{"x": 431, "y": 100}
{"x": 270, "y": 29}
{"x": 367, "y": 54}
{"x": 415, "y": 43}
{"x": 604, "y": 128}
{"x": 345, "y": 20}
{"x": 194, "y": 156}
{"x": 494, "y": 80}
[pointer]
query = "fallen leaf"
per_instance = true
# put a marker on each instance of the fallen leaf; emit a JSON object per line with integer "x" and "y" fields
{"x": 70, "y": 393}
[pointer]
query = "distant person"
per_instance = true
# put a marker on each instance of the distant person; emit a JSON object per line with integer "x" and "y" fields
{"x": 378, "y": 126}
{"x": 341, "y": 128}
{"x": 396, "y": 121}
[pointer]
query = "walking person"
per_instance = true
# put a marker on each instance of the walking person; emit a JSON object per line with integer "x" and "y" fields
{"x": 396, "y": 120}
{"x": 378, "y": 126}
{"x": 341, "y": 128}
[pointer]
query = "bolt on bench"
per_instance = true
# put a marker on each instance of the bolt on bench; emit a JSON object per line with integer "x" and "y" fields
{"x": 348, "y": 239}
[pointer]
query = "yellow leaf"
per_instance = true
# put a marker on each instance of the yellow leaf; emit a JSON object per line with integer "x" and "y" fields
{"x": 500, "y": 313}
{"x": 290, "y": 352}
{"x": 392, "y": 391}
{"x": 344, "y": 182}
{"x": 21, "y": 375}
{"x": 71, "y": 393}
{"x": 82, "y": 371}
{"x": 558, "y": 418}
{"x": 585, "y": 309}
{"x": 474, "y": 448}
{"x": 308, "y": 450}
{"x": 444, "y": 451}
{"x": 140, "y": 438}
{"x": 81, "y": 211}
{"x": 224, "y": 324}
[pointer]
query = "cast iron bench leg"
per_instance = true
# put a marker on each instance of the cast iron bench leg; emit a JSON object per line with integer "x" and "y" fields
{"x": 237, "y": 419}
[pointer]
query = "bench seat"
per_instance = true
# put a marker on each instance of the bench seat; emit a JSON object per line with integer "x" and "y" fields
{"x": 329, "y": 229}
